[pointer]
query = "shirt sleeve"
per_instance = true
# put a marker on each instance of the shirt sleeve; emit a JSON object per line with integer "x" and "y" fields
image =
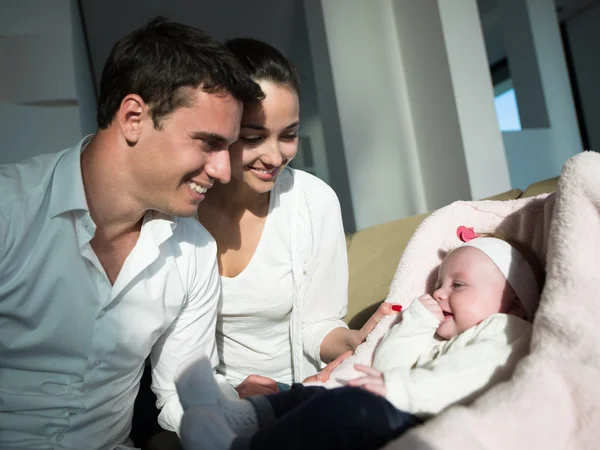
{"x": 407, "y": 340}
{"x": 325, "y": 281}
{"x": 458, "y": 376}
{"x": 190, "y": 336}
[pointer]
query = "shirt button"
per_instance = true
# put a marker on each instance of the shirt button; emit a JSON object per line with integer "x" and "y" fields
{"x": 97, "y": 363}
{"x": 86, "y": 223}
{"x": 59, "y": 437}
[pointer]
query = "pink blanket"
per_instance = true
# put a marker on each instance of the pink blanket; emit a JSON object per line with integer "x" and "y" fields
{"x": 553, "y": 399}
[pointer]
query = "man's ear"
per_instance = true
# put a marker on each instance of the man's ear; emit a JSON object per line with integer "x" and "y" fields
{"x": 130, "y": 117}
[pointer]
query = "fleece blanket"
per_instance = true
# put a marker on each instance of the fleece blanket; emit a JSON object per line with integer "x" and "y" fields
{"x": 525, "y": 221}
{"x": 553, "y": 398}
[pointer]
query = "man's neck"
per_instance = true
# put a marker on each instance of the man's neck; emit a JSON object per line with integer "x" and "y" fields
{"x": 112, "y": 207}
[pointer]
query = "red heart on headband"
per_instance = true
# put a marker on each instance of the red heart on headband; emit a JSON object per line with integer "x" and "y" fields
{"x": 466, "y": 234}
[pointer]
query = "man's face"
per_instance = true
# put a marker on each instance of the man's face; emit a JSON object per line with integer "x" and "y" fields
{"x": 174, "y": 166}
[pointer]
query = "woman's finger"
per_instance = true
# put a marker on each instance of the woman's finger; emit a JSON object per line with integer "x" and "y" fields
{"x": 336, "y": 362}
{"x": 324, "y": 374}
{"x": 384, "y": 309}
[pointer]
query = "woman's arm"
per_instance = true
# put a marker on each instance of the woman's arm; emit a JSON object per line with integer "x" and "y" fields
{"x": 340, "y": 340}
{"x": 324, "y": 284}
{"x": 325, "y": 335}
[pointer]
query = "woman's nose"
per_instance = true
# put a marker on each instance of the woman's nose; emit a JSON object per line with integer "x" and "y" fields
{"x": 272, "y": 155}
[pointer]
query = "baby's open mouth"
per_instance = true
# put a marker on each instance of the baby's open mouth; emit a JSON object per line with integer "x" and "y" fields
{"x": 447, "y": 314}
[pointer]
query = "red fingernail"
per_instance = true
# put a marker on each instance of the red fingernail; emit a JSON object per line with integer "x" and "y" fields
{"x": 397, "y": 308}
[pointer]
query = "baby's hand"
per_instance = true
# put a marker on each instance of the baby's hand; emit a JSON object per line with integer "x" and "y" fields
{"x": 373, "y": 382}
{"x": 432, "y": 306}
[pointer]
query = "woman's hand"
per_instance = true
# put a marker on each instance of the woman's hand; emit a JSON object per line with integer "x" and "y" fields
{"x": 340, "y": 340}
{"x": 385, "y": 309}
{"x": 432, "y": 306}
{"x": 373, "y": 382}
{"x": 324, "y": 374}
{"x": 256, "y": 385}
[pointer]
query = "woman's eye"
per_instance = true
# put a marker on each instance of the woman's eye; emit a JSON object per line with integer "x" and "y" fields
{"x": 289, "y": 137}
{"x": 250, "y": 139}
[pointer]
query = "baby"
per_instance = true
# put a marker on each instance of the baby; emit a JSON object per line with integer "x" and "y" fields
{"x": 448, "y": 348}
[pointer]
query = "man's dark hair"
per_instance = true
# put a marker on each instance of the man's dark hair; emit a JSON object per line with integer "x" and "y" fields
{"x": 159, "y": 59}
{"x": 264, "y": 62}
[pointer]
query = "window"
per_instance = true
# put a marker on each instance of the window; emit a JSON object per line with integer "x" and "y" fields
{"x": 507, "y": 109}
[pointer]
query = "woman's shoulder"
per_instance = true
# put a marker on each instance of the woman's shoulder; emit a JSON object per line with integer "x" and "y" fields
{"x": 314, "y": 190}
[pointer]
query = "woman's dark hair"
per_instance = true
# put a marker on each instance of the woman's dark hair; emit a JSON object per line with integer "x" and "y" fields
{"x": 159, "y": 59}
{"x": 264, "y": 62}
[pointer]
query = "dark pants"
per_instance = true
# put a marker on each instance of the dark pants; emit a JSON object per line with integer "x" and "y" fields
{"x": 311, "y": 417}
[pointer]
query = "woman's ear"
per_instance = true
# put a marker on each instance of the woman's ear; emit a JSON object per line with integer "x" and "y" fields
{"x": 130, "y": 116}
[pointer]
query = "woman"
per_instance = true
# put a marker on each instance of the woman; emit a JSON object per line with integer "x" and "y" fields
{"x": 281, "y": 246}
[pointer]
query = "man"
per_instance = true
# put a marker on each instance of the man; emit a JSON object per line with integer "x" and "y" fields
{"x": 97, "y": 268}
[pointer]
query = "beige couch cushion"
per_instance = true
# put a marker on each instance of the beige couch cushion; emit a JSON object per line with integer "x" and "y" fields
{"x": 508, "y": 195}
{"x": 541, "y": 187}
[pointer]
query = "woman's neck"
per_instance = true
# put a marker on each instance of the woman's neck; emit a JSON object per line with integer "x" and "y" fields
{"x": 235, "y": 198}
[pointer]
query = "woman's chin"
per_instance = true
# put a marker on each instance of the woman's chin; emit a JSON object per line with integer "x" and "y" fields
{"x": 259, "y": 186}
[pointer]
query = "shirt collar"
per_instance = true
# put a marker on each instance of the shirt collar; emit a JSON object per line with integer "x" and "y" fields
{"x": 67, "y": 192}
{"x": 160, "y": 218}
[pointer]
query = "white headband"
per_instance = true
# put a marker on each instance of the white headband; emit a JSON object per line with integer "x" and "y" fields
{"x": 514, "y": 267}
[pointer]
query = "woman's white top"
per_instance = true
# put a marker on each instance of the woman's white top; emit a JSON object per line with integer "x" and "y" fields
{"x": 253, "y": 321}
{"x": 293, "y": 292}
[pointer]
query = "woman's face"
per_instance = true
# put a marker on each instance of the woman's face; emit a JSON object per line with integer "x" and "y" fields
{"x": 268, "y": 138}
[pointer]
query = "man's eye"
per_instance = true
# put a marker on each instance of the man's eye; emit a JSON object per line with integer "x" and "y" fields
{"x": 213, "y": 145}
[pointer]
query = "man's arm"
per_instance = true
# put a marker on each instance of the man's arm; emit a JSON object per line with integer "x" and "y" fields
{"x": 190, "y": 336}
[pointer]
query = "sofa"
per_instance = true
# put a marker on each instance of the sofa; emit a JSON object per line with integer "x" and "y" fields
{"x": 374, "y": 252}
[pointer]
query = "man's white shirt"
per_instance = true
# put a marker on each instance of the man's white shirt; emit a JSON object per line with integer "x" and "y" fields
{"x": 73, "y": 346}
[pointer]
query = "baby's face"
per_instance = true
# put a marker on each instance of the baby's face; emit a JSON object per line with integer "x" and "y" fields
{"x": 469, "y": 289}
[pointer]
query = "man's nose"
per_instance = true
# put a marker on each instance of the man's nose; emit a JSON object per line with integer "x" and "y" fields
{"x": 219, "y": 166}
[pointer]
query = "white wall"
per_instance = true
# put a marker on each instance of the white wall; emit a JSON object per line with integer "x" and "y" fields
{"x": 527, "y": 154}
{"x": 474, "y": 98}
{"x": 415, "y": 104}
{"x": 377, "y": 132}
{"x": 39, "y": 107}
